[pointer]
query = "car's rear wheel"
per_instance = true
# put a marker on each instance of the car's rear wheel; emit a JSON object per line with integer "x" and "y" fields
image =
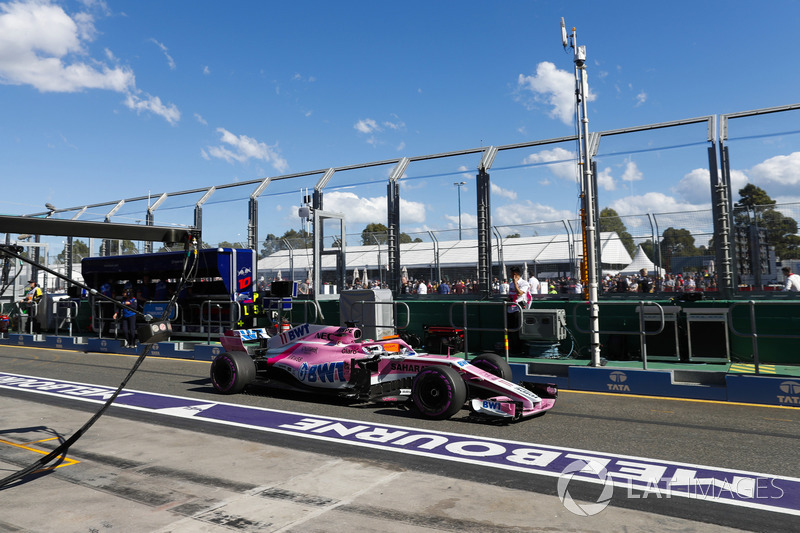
{"x": 493, "y": 364}
{"x": 231, "y": 372}
{"x": 438, "y": 392}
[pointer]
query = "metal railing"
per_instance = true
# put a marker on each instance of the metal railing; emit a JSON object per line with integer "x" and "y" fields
{"x": 28, "y": 313}
{"x": 66, "y": 312}
{"x": 101, "y": 314}
{"x": 207, "y": 320}
{"x": 753, "y": 334}
{"x": 468, "y": 328}
{"x": 308, "y": 304}
{"x": 642, "y": 333}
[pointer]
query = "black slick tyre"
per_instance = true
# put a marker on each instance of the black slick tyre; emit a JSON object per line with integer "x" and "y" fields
{"x": 232, "y": 372}
{"x": 438, "y": 392}
{"x": 493, "y": 364}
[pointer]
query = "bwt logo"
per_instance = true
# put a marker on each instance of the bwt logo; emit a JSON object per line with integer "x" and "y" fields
{"x": 792, "y": 393}
{"x": 325, "y": 372}
{"x": 618, "y": 382}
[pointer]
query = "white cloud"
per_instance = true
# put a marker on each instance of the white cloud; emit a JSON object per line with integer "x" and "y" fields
{"x": 299, "y": 77}
{"x": 206, "y": 70}
{"x": 410, "y": 212}
{"x": 787, "y": 200}
{"x": 563, "y": 164}
{"x": 503, "y": 193}
{"x": 632, "y": 172}
{"x": 200, "y": 119}
{"x": 371, "y": 127}
{"x": 605, "y": 180}
{"x": 528, "y": 212}
{"x": 653, "y": 202}
{"x": 552, "y": 87}
{"x": 641, "y": 98}
{"x": 467, "y": 220}
{"x": 695, "y": 187}
{"x": 465, "y": 172}
{"x": 42, "y": 46}
{"x": 165, "y": 50}
{"x": 154, "y": 105}
{"x": 243, "y": 148}
{"x": 396, "y": 125}
{"x": 779, "y": 170}
{"x": 366, "y": 125}
{"x": 738, "y": 180}
{"x": 366, "y": 210}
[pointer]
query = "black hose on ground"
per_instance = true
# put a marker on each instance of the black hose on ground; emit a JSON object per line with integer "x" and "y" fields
{"x": 189, "y": 267}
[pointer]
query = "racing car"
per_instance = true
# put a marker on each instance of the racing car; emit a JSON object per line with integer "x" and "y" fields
{"x": 337, "y": 360}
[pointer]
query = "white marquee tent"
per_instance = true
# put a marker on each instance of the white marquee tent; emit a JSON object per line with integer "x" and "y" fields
{"x": 539, "y": 251}
{"x": 640, "y": 261}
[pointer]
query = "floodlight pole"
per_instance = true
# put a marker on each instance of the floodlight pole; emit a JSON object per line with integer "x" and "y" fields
{"x": 588, "y": 194}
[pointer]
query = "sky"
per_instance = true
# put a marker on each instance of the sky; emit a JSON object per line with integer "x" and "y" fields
{"x": 107, "y": 100}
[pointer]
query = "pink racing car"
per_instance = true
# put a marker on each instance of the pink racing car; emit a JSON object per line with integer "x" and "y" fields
{"x": 336, "y": 360}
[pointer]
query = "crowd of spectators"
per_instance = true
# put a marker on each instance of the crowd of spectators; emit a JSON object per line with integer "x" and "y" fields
{"x": 644, "y": 281}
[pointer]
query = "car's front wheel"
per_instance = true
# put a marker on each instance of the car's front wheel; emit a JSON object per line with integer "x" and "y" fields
{"x": 231, "y": 372}
{"x": 493, "y": 364}
{"x": 438, "y": 392}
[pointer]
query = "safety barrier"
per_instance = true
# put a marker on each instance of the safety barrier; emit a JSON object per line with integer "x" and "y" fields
{"x": 207, "y": 320}
{"x": 66, "y": 312}
{"x": 308, "y": 304}
{"x": 27, "y": 312}
{"x": 642, "y": 333}
{"x": 753, "y": 334}
{"x": 468, "y": 328}
{"x": 103, "y": 316}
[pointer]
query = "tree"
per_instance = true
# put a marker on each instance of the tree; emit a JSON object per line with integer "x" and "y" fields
{"x": 79, "y": 250}
{"x": 299, "y": 239}
{"x": 296, "y": 239}
{"x": 270, "y": 245}
{"x": 374, "y": 232}
{"x": 756, "y": 207}
{"x": 610, "y": 221}
{"x": 678, "y": 243}
{"x": 128, "y": 247}
{"x": 674, "y": 243}
{"x": 381, "y": 235}
{"x": 406, "y": 238}
{"x": 751, "y": 196}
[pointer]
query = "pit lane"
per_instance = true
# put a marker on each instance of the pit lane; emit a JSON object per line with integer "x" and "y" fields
{"x": 741, "y": 437}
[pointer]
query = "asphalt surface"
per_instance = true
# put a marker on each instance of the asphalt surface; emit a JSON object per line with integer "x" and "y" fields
{"x": 141, "y": 472}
